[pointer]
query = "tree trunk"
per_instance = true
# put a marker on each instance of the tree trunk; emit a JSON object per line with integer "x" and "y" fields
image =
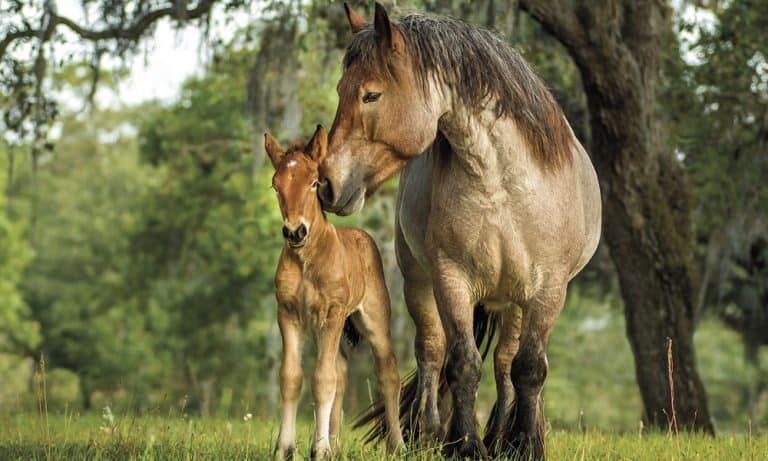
{"x": 647, "y": 214}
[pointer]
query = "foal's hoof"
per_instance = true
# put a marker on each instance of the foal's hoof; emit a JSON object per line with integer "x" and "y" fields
{"x": 320, "y": 453}
{"x": 468, "y": 447}
{"x": 285, "y": 453}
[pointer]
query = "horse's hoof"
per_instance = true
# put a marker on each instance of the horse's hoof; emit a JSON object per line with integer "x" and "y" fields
{"x": 469, "y": 447}
{"x": 528, "y": 448}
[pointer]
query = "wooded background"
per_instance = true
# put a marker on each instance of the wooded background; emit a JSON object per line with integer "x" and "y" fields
{"x": 138, "y": 242}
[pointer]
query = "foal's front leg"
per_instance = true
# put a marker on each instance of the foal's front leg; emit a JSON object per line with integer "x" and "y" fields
{"x": 324, "y": 381}
{"x": 290, "y": 381}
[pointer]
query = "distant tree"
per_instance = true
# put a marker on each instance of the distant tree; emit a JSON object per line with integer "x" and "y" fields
{"x": 717, "y": 101}
{"x": 617, "y": 46}
{"x": 19, "y": 332}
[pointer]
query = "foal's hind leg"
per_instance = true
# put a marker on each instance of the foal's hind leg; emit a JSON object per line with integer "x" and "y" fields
{"x": 529, "y": 370}
{"x": 373, "y": 322}
{"x": 463, "y": 362}
{"x": 338, "y": 400}
{"x": 504, "y": 354}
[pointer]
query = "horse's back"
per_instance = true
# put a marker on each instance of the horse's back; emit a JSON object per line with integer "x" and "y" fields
{"x": 361, "y": 247}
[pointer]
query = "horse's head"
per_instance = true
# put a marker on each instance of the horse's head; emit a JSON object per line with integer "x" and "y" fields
{"x": 383, "y": 119}
{"x": 295, "y": 181}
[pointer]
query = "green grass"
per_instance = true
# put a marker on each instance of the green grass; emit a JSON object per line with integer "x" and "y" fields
{"x": 74, "y": 437}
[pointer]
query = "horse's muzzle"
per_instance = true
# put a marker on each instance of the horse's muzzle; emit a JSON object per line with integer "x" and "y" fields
{"x": 341, "y": 201}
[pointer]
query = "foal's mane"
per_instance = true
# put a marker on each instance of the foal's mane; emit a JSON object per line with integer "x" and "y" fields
{"x": 480, "y": 67}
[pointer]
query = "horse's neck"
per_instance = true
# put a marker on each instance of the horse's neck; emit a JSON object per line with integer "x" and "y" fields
{"x": 486, "y": 146}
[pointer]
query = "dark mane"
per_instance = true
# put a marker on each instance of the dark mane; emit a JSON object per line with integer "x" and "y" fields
{"x": 481, "y": 68}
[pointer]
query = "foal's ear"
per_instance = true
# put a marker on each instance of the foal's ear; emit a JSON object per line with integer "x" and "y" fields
{"x": 388, "y": 36}
{"x": 317, "y": 147}
{"x": 273, "y": 150}
{"x": 356, "y": 22}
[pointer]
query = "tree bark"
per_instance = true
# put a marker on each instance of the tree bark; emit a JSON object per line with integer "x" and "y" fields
{"x": 647, "y": 213}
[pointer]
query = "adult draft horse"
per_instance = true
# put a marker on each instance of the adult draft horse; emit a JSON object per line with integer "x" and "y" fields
{"x": 498, "y": 205}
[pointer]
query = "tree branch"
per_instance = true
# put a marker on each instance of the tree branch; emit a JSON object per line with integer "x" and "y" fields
{"x": 559, "y": 18}
{"x": 132, "y": 32}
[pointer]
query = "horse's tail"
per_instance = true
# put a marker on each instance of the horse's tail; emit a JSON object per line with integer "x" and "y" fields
{"x": 484, "y": 328}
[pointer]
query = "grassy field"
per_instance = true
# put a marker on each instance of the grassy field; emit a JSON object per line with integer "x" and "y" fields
{"x": 74, "y": 437}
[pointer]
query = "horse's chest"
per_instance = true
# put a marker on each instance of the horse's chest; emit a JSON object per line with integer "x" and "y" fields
{"x": 475, "y": 229}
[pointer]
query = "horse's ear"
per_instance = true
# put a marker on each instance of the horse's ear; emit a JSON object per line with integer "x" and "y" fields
{"x": 388, "y": 36}
{"x": 356, "y": 22}
{"x": 317, "y": 147}
{"x": 273, "y": 149}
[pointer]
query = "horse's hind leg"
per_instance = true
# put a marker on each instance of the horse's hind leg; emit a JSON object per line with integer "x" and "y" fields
{"x": 373, "y": 322}
{"x": 338, "y": 400}
{"x": 290, "y": 382}
{"x": 463, "y": 361}
{"x": 504, "y": 354}
{"x": 525, "y": 435}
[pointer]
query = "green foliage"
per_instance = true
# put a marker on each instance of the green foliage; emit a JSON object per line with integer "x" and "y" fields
{"x": 720, "y": 104}
{"x": 19, "y": 332}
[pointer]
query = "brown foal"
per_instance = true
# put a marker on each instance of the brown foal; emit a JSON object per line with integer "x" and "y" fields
{"x": 326, "y": 276}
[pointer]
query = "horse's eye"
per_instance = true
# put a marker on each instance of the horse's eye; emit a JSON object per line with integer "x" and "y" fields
{"x": 371, "y": 97}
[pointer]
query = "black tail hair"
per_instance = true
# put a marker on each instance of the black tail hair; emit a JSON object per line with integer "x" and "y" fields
{"x": 351, "y": 334}
{"x": 484, "y": 327}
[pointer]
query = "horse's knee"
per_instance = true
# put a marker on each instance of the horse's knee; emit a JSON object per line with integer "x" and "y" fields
{"x": 529, "y": 369}
{"x": 464, "y": 362}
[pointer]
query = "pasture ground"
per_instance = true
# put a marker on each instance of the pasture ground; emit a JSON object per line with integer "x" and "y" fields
{"x": 80, "y": 437}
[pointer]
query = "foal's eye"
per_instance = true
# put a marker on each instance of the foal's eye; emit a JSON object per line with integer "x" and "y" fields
{"x": 371, "y": 97}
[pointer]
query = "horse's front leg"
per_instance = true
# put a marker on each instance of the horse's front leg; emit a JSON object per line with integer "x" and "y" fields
{"x": 504, "y": 354}
{"x": 290, "y": 381}
{"x": 324, "y": 380}
{"x": 429, "y": 345}
{"x": 463, "y": 361}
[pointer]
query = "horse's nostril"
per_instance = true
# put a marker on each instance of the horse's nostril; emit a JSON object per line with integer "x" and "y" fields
{"x": 286, "y": 233}
{"x": 301, "y": 232}
{"x": 325, "y": 191}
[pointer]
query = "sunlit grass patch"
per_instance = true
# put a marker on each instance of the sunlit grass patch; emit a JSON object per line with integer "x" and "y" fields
{"x": 94, "y": 437}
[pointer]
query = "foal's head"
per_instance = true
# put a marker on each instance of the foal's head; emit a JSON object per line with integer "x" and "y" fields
{"x": 295, "y": 181}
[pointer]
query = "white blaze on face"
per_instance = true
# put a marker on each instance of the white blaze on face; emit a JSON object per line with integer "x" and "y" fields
{"x": 291, "y": 164}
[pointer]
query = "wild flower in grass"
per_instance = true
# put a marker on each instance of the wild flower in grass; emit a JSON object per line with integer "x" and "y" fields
{"x": 247, "y": 417}
{"x": 107, "y": 420}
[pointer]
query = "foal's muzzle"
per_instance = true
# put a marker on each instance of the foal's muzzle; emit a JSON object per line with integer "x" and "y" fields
{"x": 296, "y": 238}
